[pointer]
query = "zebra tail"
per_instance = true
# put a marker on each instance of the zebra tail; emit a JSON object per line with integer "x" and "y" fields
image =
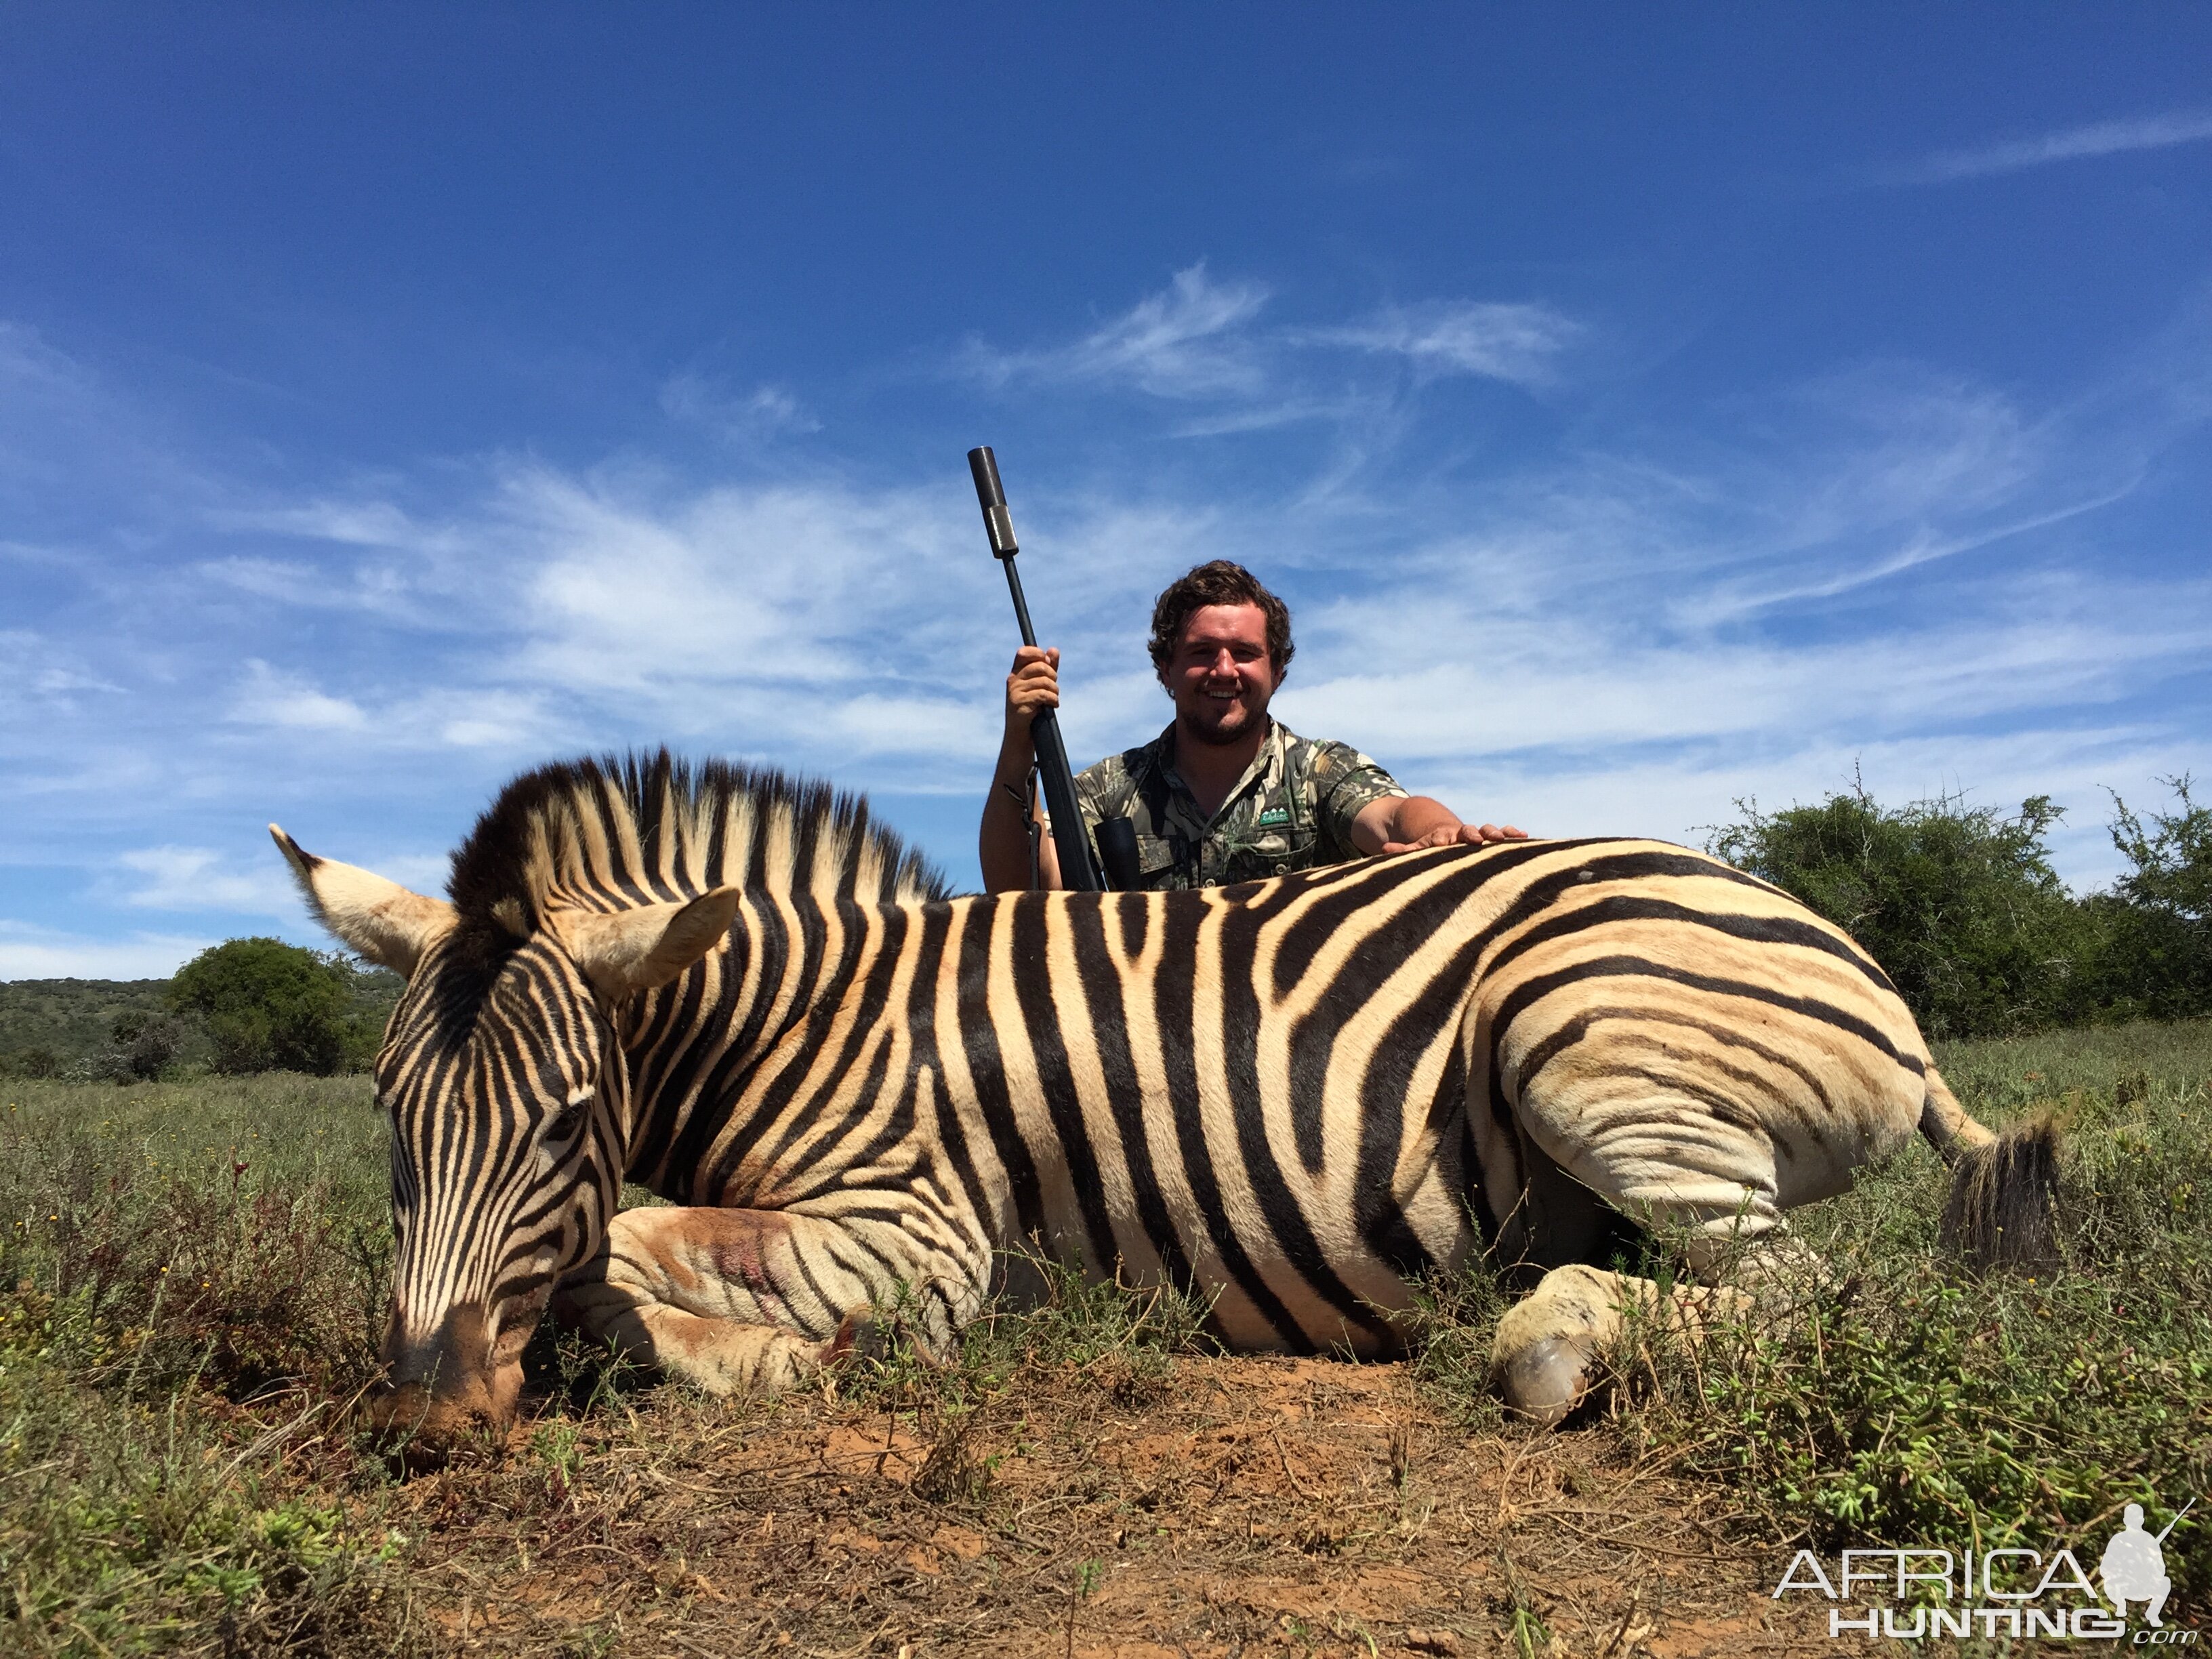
{"x": 2003, "y": 1213}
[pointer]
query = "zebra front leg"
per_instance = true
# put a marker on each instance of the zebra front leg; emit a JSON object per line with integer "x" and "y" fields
{"x": 737, "y": 1300}
{"x": 1547, "y": 1356}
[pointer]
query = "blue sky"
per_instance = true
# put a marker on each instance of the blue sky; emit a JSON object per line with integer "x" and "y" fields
{"x": 1641, "y": 408}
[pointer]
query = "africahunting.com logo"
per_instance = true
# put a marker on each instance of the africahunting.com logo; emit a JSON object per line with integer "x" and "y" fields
{"x": 2017, "y": 1593}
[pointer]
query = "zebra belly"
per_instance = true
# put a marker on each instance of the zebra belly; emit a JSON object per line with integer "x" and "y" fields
{"x": 1323, "y": 1289}
{"x": 1180, "y": 1191}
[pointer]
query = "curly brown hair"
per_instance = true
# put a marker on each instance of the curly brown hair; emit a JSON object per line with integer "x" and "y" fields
{"x": 1218, "y": 581}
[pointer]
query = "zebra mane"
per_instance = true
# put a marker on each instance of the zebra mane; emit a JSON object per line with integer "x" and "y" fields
{"x": 609, "y": 833}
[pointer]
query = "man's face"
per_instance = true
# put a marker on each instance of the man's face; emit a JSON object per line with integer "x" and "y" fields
{"x": 1220, "y": 675}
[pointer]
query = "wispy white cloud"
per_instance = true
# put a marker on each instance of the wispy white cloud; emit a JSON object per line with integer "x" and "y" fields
{"x": 765, "y": 411}
{"x": 202, "y": 879}
{"x": 1197, "y": 341}
{"x": 1186, "y": 341}
{"x": 1730, "y": 600}
{"x": 788, "y": 583}
{"x": 1467, "y": 678}
{"x": 1515, "y": 343}
{"x": 2068, "y": 144}
{"x": 62, "y": 428}
{"x": 1683, "y": 796}
{"x": 1289, "y": 408}
{"x": 271, "y": 696}
{"x": 34, "y": 371}
{"x": 500, "y": 720}
{"x": 375, "y": 587}
{"x": 357, "y": 521}
{"x": 813, "y": 610}
{"x": 33, "y": 670}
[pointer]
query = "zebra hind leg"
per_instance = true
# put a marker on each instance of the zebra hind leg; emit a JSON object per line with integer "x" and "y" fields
{"x": 1704, "y": 1186}
{"x": 723, "y": 1299}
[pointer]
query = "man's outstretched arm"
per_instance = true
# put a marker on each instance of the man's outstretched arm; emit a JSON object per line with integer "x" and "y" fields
{"x": 1400, "y": 823}
{"x": 1002, "y": 841}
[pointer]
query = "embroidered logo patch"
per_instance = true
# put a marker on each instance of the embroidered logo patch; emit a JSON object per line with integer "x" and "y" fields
{"x": 1274, "y": 817}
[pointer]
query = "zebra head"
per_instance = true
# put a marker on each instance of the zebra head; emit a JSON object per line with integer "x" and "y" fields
{"x": 501, "y": 1073}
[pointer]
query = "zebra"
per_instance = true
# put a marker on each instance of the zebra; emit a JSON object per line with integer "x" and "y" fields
{"x": 1296, "y": 1098}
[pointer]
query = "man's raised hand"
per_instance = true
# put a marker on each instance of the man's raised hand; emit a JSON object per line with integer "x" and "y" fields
{"x": 1032, "y": 687}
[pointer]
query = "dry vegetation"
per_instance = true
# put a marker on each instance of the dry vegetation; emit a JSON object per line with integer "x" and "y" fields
{"x": 194, "y": 1270}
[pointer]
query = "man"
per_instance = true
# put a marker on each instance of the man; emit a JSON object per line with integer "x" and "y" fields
{"x": 1226, "y": 793}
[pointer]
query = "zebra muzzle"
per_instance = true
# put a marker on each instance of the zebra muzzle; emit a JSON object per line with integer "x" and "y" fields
{"x": 446, "y": 1393}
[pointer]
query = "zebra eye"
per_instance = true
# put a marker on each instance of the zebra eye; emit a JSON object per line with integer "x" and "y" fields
{"x": 568, "y": 1121}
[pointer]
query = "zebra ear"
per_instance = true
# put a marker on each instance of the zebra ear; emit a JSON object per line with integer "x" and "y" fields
{"x": 390, "y": 926}
{"x": 635, "y": 950}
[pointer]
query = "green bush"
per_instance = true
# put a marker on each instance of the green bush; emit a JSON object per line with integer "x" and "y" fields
{"x": 36, "y": 1061}
{"x": 144, "y": 1047}
{"x": 268, "y": 1007}
{"x": 2159, "y": 961}
{"x": 1959, "y": 904}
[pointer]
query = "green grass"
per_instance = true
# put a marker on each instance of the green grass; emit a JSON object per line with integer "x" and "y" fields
{"x": 1124, "y": 1339}
{"x": 188, "y": 1278}
{"x": 190, "y": 1275}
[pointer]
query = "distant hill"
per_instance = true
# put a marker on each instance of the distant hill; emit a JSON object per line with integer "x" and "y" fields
{"x": 69, "y": 1018}
{"x": 375, "y": 993}
{"x": 48, "y": 1025}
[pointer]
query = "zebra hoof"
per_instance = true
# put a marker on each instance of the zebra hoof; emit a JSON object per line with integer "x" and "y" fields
{"x": 861, "y": 1335}
{"x": 1547, "y": 1379}
{"x": 879, "y": 1337}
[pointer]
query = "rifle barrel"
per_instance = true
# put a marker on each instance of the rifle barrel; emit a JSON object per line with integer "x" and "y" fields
{"x": 2176, "y": 1522}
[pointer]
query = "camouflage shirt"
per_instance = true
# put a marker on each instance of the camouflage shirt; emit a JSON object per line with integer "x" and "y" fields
{"x": 1292, "y": 809}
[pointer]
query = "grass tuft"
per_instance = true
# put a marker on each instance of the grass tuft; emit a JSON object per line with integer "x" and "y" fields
{"x": 1453, "y": 1320}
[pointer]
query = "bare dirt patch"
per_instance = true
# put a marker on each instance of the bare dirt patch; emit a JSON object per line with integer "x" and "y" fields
{"x": 1217, "y": 1507}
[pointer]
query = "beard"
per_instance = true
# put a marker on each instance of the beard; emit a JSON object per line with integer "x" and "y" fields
{"x": 1232, "y": 724}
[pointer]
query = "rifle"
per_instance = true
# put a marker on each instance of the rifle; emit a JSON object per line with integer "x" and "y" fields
{"x": 2176, "y": 1522}
{"x": 1078, "y": 870}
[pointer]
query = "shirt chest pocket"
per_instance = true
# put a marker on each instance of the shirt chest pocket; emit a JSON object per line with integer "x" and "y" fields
{"x": 1276, "y": 850}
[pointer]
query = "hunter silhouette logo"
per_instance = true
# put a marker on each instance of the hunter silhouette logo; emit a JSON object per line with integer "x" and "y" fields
{"x": 2133, "y": 1566}
{"x": 2002, "y": 1592}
